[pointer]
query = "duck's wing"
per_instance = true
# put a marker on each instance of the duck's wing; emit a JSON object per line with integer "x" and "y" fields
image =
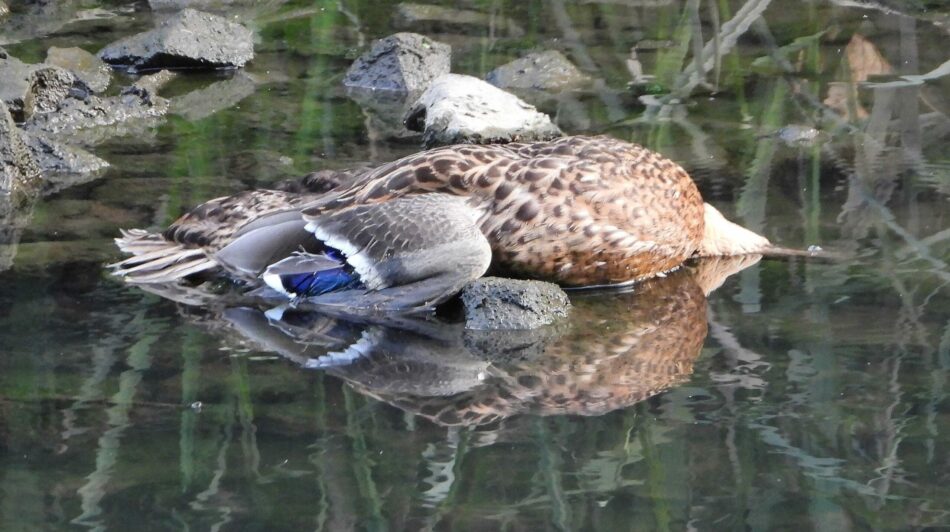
{"x": 408, "y": 253}
{"x": 243, "y": 233}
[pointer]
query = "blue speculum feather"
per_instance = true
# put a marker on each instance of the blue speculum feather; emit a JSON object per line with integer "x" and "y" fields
{"x": 308, "y": 284}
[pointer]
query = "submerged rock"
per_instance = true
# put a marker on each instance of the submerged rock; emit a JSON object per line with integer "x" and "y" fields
{"x": 31, "y": 88}
{"x": 496, "y": 303}
{"x": 83, "y": 65}
{"x": 463, "y": 109}
{"x": 430, "y": 18}
{"x": 546, "y": 71}
{"x": 216, "y": 97}
{"x": 404, "y": 62}
{"x": 189, "y": 39}
{"x": 19, "y": 172}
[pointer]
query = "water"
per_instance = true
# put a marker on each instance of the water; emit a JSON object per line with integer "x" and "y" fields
{"x": 798, "y": 395}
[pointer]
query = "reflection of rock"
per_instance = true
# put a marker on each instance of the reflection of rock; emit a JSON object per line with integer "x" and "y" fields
{"x": 57, "y": 158}
{"x": 546, "y": 71}
{"x": 216, "y": 97}
{"x": 404, "y": 62}
{"x": 27, "y": 89}
{"x": 433, "y": 19}
{"x": 91, "y": 119}
{"x": 462, "y": 109}
{"x": 385, "y": 111}
{"x": 190, "y": 39}
{"x": 85, "y": 66}
{"x": 495, "y": 303}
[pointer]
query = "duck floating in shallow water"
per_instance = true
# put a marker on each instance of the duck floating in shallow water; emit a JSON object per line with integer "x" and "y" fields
{"x": 580, "y": 211}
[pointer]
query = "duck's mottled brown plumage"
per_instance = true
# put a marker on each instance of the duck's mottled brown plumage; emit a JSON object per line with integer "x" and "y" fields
{"x": 578, "y": 210}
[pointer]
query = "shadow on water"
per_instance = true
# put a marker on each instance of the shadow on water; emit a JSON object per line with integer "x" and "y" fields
{"x": 798, "y": 395}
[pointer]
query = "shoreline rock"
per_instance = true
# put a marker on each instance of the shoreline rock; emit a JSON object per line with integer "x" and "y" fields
{"x": 402, "y": 62}
{"x": 30, "y": 88}
{"x": 463, "y": 109}
{"x": 20, "y": 175}
{"x": 189, "y": 39}
{"x": 85, "y": 66}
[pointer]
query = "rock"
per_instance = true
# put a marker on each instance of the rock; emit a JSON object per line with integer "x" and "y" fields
{"x": 56, "y": 158}
{"x": 545, "y": 71}
{"x": 385, "y": 112}
{"x": 433, "y": 19}
{"x": 215, "y": 97}
{"x": 89, "y": 119}
{"x": 404, "y": 62}
{"x": 83, "y": 65}
{"x": 509, "y": 304}
{"x": 30, "y": 88}
{"x": 462, "y": 109}
{"x": 190, "y": 39}
{"x": 4, "y": 9}
{"x": 19, "y": 172}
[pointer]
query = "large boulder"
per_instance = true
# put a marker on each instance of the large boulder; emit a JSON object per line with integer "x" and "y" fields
{"x": 495, "y": 303}
{"x": 404, "y": 62}
{"x": 463, "y": 109}
{"x": 83, "y": 65}
{"x": 189, "y": 39}
{"x": 546, "y": 71}
{"x": 30, "y": 88}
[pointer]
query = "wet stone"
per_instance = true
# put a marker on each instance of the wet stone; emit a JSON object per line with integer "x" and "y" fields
{"x": 19, "y": 172}
{"x": 32, "y": 88}
{"x": 189, "y": 39}
{"x": 89, "y": 119}
{"x": 404, "y": 62}
{"x": 4, "y": 9}
{"x": 545, "y": 71}
{"x": 84, "y": 66}
{"x": 463, "y": 109}
{"x": 494, "y": 303}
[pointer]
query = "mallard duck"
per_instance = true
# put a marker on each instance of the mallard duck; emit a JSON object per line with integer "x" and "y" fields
{"x": 579, "y": 211}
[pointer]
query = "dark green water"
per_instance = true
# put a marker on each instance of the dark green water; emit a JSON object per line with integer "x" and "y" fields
{"x": 818, "y": 399}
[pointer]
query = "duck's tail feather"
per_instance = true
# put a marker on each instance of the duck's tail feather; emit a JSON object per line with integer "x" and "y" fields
{"x": 156, "y": 260}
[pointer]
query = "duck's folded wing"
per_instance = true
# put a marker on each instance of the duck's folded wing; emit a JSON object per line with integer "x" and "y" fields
{"x": 410, "y": 252}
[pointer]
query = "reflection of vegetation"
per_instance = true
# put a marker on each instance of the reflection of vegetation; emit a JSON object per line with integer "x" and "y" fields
{"x": 818, "y": 401}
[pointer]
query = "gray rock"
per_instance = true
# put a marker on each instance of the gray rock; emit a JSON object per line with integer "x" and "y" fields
{"x": 385, "y": 112}
{"x": 19, "y": 172}
{"x": 494, "y": 303}
{"x": 55, "y": 158}
{"x": 91, "y": 119}
{"x": 190, "y": 39}
{"x": 4, "y": 9}
{"x": 85, "y": 66}
{"x": 31, "y": 88}
{"x": 463, "y": 109}
{"x": 433, "y": 19}
{"x": 404, "y": 62}
{"x": 220, "y": 95}
{"x": 545, "y": 71}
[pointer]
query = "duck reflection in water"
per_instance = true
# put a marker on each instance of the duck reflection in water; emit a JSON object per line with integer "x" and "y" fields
{"x": 615, "y": 350}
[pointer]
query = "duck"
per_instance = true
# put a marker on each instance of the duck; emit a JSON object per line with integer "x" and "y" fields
{"x": 581, "y": 211}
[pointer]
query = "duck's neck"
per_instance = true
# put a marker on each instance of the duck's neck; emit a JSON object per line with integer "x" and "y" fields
{"x": 722, "y": 238}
